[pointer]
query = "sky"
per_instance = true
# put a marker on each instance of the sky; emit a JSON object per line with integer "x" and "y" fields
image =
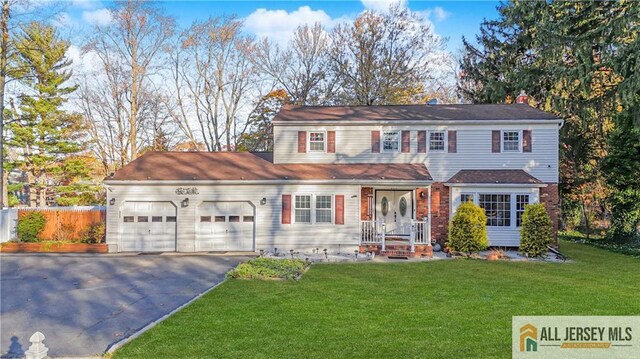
{"x": 277, "y": 19}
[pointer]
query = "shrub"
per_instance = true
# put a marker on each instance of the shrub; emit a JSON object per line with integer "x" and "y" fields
{"x": 468, "y": 229}
{"x": 268, "y": 268}
{"x": 94, "y": 234}
{"x": 536, "y": 231}
{"x": 30, "y": 226}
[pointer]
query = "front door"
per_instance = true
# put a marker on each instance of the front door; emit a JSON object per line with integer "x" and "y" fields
{"x": 395, "y": 208}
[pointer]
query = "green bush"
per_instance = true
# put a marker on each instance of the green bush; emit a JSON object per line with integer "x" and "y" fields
{"x": 537, "y": 230}
{"x": 30, "y": 226}
{"x": 268, "y": 268}
{"x": 468, "y": 229}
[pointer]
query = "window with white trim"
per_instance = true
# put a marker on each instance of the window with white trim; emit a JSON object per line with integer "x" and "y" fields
{"x": 497, "y": 208}
{"x": 323, "y": 209}
{"x": 390, "y": 141}
{"x": 521, "y": 201}
{"x": 511, "y": 141}
{"x": 303, "y": 209}
{"x": 437, "y": 141}
{"x": 317, "y": 142}
{"x": 466, "y": 197}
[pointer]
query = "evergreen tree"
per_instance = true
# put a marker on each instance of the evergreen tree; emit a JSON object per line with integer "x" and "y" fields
{"x": 578, "y": 60}
{"x": 41, "y": 128}
{"x": 622, "y": 171}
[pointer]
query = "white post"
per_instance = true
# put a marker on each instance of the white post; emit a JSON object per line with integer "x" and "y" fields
{"x": 429, "y": 218}
{"x": 37, "y": 350}
{"x": 384, "y": 232}
{"x": 412, "y": 236}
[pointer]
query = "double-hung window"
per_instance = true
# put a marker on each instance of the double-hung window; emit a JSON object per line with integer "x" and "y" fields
{"x": 303, "y": 208}
{"x": 497, "y": 207}
{"x": 511, "y": 141}
{"x": 390, "y": 141}
{"x": 521, "y": 201}
{"x": 323, "y": 209}
{"x": 317, "y": 141}
{"x": 437, "y": 141}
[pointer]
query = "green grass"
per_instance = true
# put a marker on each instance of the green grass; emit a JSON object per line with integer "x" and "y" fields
{"x": 446, "y": 309}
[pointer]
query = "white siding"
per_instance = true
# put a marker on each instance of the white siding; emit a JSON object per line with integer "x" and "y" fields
{"x": 498, "y": 236}
{"x": 270, "y": 232}
{"x": 353, "y": 145}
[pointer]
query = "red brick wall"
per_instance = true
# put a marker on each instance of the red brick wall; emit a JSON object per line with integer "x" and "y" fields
{"x": 365, "y": 192}
{"x": 439, "y": 212}
{"x": 422, "y": 205}
{"x": 549, "y": 197}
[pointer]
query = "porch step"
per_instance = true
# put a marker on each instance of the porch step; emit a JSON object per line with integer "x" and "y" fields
{"x": 398, "y": 250}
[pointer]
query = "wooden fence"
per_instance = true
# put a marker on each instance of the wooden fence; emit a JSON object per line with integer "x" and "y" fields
{"x": 67, "y": 223}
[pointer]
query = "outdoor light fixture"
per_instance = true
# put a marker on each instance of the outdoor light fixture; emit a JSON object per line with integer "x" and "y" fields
{"x": 112, "y": 201}
{"x": 185, "y": 202}
{"x": 263, "y": 201}
{"x": 423, "y": 195}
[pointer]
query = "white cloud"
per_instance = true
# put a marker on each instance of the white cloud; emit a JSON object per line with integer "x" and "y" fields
{"x": 83, "y": 62}
{"x": 381, "y": 5}
{"x": 440, "y": 13}
{"x": 278, "y": 25}
{"x": 100, "y": 17}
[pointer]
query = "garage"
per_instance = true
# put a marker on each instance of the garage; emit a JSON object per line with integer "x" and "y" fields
{"x": 225, "y": 226}
{"x": 148, "y": 227}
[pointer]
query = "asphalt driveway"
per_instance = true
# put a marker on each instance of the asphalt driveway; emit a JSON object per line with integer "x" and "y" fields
{"x": 85, "y": 303}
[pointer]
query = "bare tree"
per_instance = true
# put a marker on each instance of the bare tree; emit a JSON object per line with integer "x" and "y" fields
{"x": 383, "y": 58}
{"x": 302, "y": 68}
{"x": 129, "y": 50}
{"x": 213, "y": 74}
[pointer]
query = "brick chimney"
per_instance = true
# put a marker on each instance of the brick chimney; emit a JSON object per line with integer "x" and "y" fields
{"x": 522, "y": 98}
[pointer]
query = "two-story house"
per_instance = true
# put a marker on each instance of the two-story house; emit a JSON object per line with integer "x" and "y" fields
{"x": 342, "y": 178}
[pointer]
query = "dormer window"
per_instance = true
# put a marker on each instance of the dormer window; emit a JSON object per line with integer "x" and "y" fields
{"x": 437, "y": 141}
{"x": 317, "y": 141}
{"x": 391, "y": 141}
{"x": 511, "y": 141}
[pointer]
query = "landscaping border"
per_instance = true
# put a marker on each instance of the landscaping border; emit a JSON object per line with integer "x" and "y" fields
{"x": 53, "y": 247}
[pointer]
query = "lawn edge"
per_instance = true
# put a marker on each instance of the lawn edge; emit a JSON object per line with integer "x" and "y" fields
{"x": 117, "y": 345}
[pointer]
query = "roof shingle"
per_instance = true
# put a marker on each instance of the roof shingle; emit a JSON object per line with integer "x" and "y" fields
{"x": 231, "y": 166}
{"x": 457, "y": 112}
{"x": 493, "y": 177}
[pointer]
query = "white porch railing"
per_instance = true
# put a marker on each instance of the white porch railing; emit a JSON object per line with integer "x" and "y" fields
{"x": 374, "y": 232}
{"x": 420, "y": 233}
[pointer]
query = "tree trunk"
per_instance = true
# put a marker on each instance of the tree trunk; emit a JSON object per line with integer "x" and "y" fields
{"x": 134, "y": 105}
{"x": 4, "y": 45}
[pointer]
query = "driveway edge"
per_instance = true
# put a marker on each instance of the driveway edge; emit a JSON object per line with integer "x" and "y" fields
{"x": 117, "y": 345}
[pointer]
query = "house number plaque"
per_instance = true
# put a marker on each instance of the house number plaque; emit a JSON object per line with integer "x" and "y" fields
{"x": 187, "y": 190}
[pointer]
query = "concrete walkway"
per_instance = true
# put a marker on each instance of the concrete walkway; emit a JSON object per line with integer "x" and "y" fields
{"x": 85, "y": 303}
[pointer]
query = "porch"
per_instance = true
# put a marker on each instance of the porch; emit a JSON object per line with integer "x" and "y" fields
{"x": 375, "y": 238}
{"x": 396, "y": 221}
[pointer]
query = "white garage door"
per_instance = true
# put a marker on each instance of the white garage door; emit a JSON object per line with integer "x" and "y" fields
{"x": 226, "y": 226}
{"x": 148, "y": 227}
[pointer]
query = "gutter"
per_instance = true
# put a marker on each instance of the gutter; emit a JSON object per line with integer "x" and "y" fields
{"x": 418, "y": 122}
{"x": 353, "y": 181}
{"x": 509, "y": 185}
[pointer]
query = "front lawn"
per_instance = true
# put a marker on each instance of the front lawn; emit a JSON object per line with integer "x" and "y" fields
{"x": 449, "y": 309}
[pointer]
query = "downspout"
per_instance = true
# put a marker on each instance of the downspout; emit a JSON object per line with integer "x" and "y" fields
{"x": 429, "y": 215}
